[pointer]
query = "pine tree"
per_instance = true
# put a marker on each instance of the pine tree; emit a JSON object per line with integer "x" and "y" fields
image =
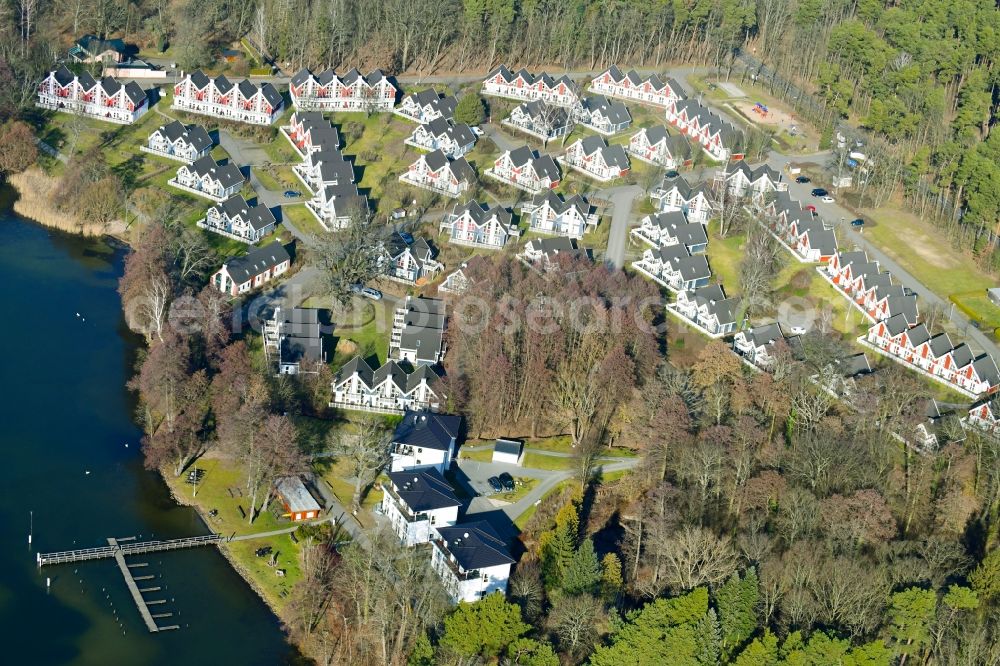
{"x": 611, "y": 576}
{"x": 709, "y": 639}
{"x": 423, "y": 652}
{"x": 583, "y": 575}
{"x": 557, "y": 547}
{"x": 910, "y": 615}
{"x": 762, "y": 651}
{"x": 737, "y": 602}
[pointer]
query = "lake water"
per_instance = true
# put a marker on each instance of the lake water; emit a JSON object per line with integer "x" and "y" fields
{"x": 64, "y": 411}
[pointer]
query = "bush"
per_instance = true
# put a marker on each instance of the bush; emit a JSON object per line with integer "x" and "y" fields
{"x": 802, "y": 279}
{"x": 354, "y": 130}
{"x": 470, "y": 110}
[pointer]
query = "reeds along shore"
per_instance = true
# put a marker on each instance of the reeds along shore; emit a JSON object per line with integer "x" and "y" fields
{"x": 34, "y": 201}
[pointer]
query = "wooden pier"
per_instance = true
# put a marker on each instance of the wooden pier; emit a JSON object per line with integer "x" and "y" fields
{"x": 119, "y": 549}
{"x": 137, "y": 597}
{"x": 127, "y": 548}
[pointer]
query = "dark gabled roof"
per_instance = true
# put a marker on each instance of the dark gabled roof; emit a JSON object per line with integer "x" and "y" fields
{"x": 940, "y": 345}
{"x": 246, "y": 88}
{"x": 301, "y": 77}
{"x": 896, "y": 325}
{"x": 616, "y": 74}
{"x": 445, "y": 105}
{"x": 655, "y": 134}
{"x": 427, "y": 430}
{"x": 987, "y": 370}
{"x": 762, "y": 336}
{"x": 545, "y": 167}
{"x": 86, "y": 81}
{"x": 359, "y": 366}
{"x": 552, "y": 245}
{"x": 853, "y": 257}
{"x": 592, "y": 144}
{"x": 223, "y": 84}
{"x": 424, "y": 341}
{"x": 854, "y": 365}
{"x": 521, "y": 156}
{"x": 325, "y": 137}
{"x": 198, "y": 79}
{"x": 135, "y": 92}
{"x": 475, "y": 545}
{"x": 96, "y": 45}
{"x": 905, "y": 305}
{"x": 259, "y": 217}
{"x": 613, "y": 110}
{"x": 352, "y": 76}
{"x": 559, "y": 205}
{"x": 917, "y": 335}
{"x": 675, "y": 86}
{"x": 422, "y": 98}
{"x": 634, "y": 77}
{"x": 436, "y": 160}
{"x": 256, "y": 261}
{"x": 63, "y": 76}
{"x": 668, "y": 220}
{"x": 713, "y": 298}
{"x": 502, "y": 71}
{"x": 461, "y": 134}
{"x": 271, "y": 94}
{"x": 227, "y": 174}
{"x": 110, "y": 85}
{"x": 173, "y": 130}
{"x": 481, "y": 213}
{"x": 615, "y": 156}
{"x": 962, "y": 355}
{"x": 437, "y": 127}
{"x": 423, "y": 489}
{"x": 693, "y": 268}
{"x": 295, "y": 349}
{"x": 463, "y": 170}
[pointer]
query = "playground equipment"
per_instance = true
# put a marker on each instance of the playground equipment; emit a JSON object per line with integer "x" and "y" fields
{"x": 761, "y": 109}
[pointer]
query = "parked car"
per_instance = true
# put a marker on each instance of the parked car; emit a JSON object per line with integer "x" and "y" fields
{"x": 356, "y": 288}
{"x": 803, "y": 179}
{"x": 398, "y": 214}
{"x": 858, "y": 222}
{"x": 819, "y": 192}
{"x": 291, "y": 194}
{"x": 406, "y": 236}
{"x": 797, "y": 330}
{"x": 827, "y": 199}
{"x": 476, "y": 130}
{"x": 373, "y": 294}
{"x": 507, "y": 481}
{"x": 671, "y": 174}
{"x": 495, "y": 484}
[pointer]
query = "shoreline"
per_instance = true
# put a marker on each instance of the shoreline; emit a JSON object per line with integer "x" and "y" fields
{"x": 233, "y": 562}
{"x": 33, "y": 202}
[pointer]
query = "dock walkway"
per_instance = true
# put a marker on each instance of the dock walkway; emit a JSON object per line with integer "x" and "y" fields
{"x": 140, "y": 602}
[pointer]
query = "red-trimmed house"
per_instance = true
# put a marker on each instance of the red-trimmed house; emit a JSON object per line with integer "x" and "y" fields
{"x": 259, "y": 266}
{"x": 479, "y": 225}
{"x": 524, "y": 169}
{"x": 106, "y": 99}
{"x": 654, "y": 145}
{"x": 454, "y": 140}
{"x": 310, "y": 132}
{"x": 647, "y": 90}
{"x": 550, "y": 213}
{"x": 242, "y": 101}
{"x": 351, "y": 92}
{"x": 593, "y": 157}
{"x": 435, "y": 172}
{"x": 523, "y": 85}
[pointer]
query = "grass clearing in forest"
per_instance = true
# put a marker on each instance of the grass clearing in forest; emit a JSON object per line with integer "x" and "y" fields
{"x": 922, "y": 249}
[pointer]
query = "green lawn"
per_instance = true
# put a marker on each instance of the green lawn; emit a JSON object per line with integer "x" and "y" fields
{"x": 724, "y": 257}
{"x": 922, "y": 249}
{"x": 522, "y": 486}
{"x": 542, "y": 461}
{"x": 276, "y": 589}
{"x": 975, "y": 304}
{"x": 476, "y": 455}
{"x": 303, "y": 220}
{"x": 370, "y": 338}
{"x": 378, "y": 153}
{"x": 522, "y": 521}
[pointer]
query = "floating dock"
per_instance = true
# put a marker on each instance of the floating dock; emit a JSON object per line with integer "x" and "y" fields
{"x": 126, "y": 549}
